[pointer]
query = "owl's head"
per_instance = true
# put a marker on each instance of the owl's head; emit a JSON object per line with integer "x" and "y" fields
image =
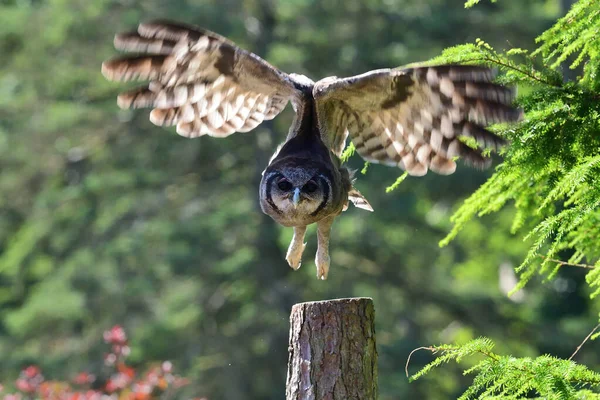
{"x": 295, "y": 196}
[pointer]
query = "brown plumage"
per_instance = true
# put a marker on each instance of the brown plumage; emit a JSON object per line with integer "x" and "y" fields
{"x": 412, "y": 118}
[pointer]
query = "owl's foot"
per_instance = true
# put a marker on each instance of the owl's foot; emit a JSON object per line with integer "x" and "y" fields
{"x": 322, "y": 261}
{"x": 294, "y": 254}
{"x": 297, "y": 245}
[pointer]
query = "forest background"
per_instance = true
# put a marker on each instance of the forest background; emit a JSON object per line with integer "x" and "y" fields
{"x": 106, "y": 219}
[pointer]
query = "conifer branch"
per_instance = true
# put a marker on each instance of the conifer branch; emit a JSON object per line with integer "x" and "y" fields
{"x": 397, "y": 183}
{"x": 510, "y": 377}
{"x": 567, "y": 264}
{"x": 432, "y": 349}
{"x": 584, "y": 340}
{"x": 348, "y": 152}
{"x": 523, "y": 72}
{"x": 556, "y": 148}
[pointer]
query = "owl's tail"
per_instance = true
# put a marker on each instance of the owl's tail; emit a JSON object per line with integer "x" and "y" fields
{"x": 358, "y": 199}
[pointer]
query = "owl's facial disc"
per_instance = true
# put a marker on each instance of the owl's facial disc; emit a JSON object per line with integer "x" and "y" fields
{"x": 297, "y": 195}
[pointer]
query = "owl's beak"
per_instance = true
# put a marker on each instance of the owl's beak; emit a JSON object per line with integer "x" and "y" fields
{"x": 296, "y": 197}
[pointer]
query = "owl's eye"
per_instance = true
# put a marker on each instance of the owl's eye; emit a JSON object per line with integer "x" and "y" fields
{"x": 310, "y": 187}
{"x": 284, "y": 185}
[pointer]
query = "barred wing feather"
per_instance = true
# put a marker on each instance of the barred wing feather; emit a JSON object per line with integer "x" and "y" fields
{"x": 413, "y": 118}
{"x": 199, "y": 81}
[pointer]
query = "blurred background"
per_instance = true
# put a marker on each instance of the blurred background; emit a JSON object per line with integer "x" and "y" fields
{"x": 106, "y": 219}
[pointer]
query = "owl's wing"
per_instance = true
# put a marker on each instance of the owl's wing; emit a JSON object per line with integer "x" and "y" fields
{"x": 413, "y": 117}
{"x": 199, "y": 81}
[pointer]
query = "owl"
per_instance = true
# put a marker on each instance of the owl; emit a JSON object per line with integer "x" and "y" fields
{"x": 412, "y": 118}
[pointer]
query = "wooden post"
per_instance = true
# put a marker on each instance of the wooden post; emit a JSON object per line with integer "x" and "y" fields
{"x": 332, "y": 351}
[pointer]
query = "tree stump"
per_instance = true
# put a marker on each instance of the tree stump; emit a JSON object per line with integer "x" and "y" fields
{"x": 332, "y": 351}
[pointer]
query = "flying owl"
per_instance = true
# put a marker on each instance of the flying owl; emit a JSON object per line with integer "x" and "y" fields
{"x": 412, "y": 118}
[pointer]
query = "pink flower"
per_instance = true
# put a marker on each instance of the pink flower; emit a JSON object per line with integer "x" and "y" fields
{"x": 120, "y": 386}
{"x": 31, "y": 372}
{"x": 110, "y": 359}
{"x": 116, "y": 336}
{"x": 84, "y": 378}
{"x": 25, "y": 386}
{"x": 92, "y": 395}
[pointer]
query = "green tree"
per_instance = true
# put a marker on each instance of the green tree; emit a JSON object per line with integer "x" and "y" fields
{"x": 550, "y": 173}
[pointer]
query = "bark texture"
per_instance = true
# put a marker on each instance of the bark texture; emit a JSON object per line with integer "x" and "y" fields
{"x": 332, "y": 353}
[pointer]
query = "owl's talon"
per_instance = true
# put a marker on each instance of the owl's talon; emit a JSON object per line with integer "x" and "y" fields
{"x": 297, "y": 245}
{"x": 294, "y": 255}
{"x": 322, "y": 260}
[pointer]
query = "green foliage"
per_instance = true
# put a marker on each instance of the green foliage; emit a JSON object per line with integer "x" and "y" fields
{"x": 550, "y": 173}
{"x": 348, "y": 152}
{"x": 471, "y": 3}
{"x": 507, "y": 377}
{"x": 575, "y": 34}
{"x": 397, "y": 183}
{"x": 551, "y": 169}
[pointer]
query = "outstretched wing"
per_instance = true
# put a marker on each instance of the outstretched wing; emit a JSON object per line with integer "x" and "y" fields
{"x": 413, "y": 117}
{"x": 199, "y": 81}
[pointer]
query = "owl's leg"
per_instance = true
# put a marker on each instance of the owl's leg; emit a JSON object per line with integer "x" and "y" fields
{"x": 322, "y": 259}
{"x": 297, "y": 245}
